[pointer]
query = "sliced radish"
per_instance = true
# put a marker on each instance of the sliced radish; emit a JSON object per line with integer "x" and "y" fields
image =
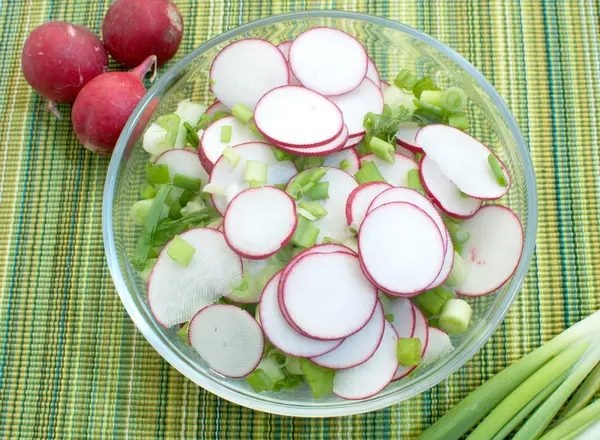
{"x": 279, "y": 332}
{"x": 384, "y": 86}
{"x": 463, "y": 159}
{"x": 405, "y": 137}
{"x": 322, "y": 150}
{"x": 405, "y": 152}
{"x": 232, "y": 178}
{"x": 373, "y": 73}
{"x": 298, "y": 117}
{"x": 349, "y": 155}
{"x": 421, "y": 329}
{"x": 184, "y": 162}
{"x": 353, "y": 142}
{"x": 334, "y": 225}
{"x": 328, "y": 61}
{"x": 401, "y": 248}
{"x": 444, "y": 193}
{"x": 177, "y": 292}
{"x": 493, "y": 250}
{"x": 211, "y": 147}
{"x": 358, "y": 348}
{"x": 374, "y": 375}
{"x": 217, "y": 106}
{"x": 356, "y": 104}
{"x": 394, "y": 173}
{"x": 247, "y": 69}
{"x": 404, "y": 322}
{"x": 401, "y": 194}
{"x": 228, "y": 338}
{"x": 446, "y": 265}
{"x": 285, "y": 50}
{"x": 439, "y": 345}
{"x": 359, "y": 201}
{"x": 327, "y": 295}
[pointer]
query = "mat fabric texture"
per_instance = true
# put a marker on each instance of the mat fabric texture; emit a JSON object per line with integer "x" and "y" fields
{"x": 72, "y": 364}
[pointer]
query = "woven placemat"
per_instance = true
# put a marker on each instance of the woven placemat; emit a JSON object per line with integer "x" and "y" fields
{"x": 72, "y": 364}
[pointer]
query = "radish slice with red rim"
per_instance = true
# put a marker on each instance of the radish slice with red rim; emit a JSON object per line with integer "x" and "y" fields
{"x": 405, "y": 137}
{"x": 328, "y": 61}
{"x": 217, "y": 106}
{"x": 322, "y": 150}
{"x": 421, "y": 329}
{"x": 405, "y": 152}
{"x": 384, "y": 86}
{"x": 327, "y": 295}
{"x": 405, "y": 323}
{"x": 353, "y": 142}
{"x": 401, "y": 194}
{"x": 231, "y": 178}
{"x": 356, "y": 104}
{"x": 259, "y": 222}
{"x": 373, "y": 73}
{"x": 444, "y": 193}
{"x": 228, "y": 339}
{"x": 401, "y": 248}
{"x": 211, "y": 147}
{"x": 374, "y": 375}
{"x": 394, "y": 173}
{"x": 247, "y": 69}
{"x": 184, "y": 162}
{"x": 493, "y": 251}
{"x": 279, "y": 332}
{"x": 177, "y": 292}
{"x": 438, "y": 345}
{"x": 447, "y": 265}
{"x": 349, "y": 155}
{"x": 285, "y": 50}
{"x": 358, "y": 348}
{"x": 359, "y": 201}
{"x": 464, "y": 160}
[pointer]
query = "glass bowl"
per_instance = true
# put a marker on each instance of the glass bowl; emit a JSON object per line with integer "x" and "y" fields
{"x": 392, "y": 46}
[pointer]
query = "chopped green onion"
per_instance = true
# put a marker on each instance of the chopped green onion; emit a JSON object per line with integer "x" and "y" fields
{"x": 426, "y": 114}
{"x": 293, "y": 366}
{"x": 220, "y": 115}
{"x": 255, "y": 170}
{"x": 213, "y": 188}
{"x": 433, "y": 97}
{"x": 140, "y": 211}
{"x": 185, "y": 197}
{"x": 319, "y": 379}
{"x": 211, "y": 81}
{"x": 344, "y": 164}
{"x": 454, "y": 100}
{"x": 183, "y": 331}
{"x": 254, "y": 129}
{"x": 327, "y": 240}
{"x": 575, "y": 424}
{"x": 413, "y": 180}
{"x": 463, "y": 195}
{"x": 149, "y": 192}
{"x": 186, "y": 182}
{"x": 408, "y": 351}
{"x": 232, "y": 156}
{"x": 175, "y": 210}
{"x": 169, "y": 200}
{"x": 193, "y": 205}
{"x": 457, "y": 235}
{"x": 497, "y": 170}
{"x": 368, "y": 173}
{"x": 171, "y": 124}
{"x": 455, "y": 316}
{"x": 242, "y": 113}
{"x": 405, "y": 80}
{"x": 315, "y": 208}
{"x": 319, "y": 191}
{"x": 281, "y": 155}
{"x": 191, "y": 135}
{"x": 256, "y": 184}
{"x": 304, "y": 181}
{"x": 306, "y": 162}
{"x": 583, "y": 395}
{"x": 205, "y": 121}
{"x": 281, "y": 186}
{"x": 422, "y": 85}
{"x": 431, "y": 302}
{"x": 306, "y": 233}
{"x": 389, "y": 317}
{"x": 145, "y": 272}
{"x": 317, "y": 174}
{"x": 226, "y": 133}
{"x": 387, "y": 110}
{"x": 181, "y": 251}
{"x": 271, "y": 367}
{"x": 157, "y": 174}
{"x": 362, "y": 149}
{"x": 304, "y": 213}
{"x": 458, "y": 274}
{"x": 259, "y": 381}
{"x": 382, "y": 149}
{"x": 459, "y": 120}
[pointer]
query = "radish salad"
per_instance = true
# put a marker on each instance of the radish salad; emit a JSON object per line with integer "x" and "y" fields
{"x": 317, "y": 224}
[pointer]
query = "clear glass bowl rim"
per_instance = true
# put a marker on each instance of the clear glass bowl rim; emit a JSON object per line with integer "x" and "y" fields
{"x": 446, "y": 367}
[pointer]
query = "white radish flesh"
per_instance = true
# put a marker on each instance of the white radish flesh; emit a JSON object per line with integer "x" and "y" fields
{"x": 394, "y": 173}
{"x": 359, "y": 201}
{"x": 421, "y": 329}
{"x": 404, "y": 322}
{"x": 372, "y": 376}
{"x": 327, "y": 295}
{"x": 401, "y": 248}
{"x": 336, "y": 144}
{"x": 463, "y": 159}
{"x": 493, "y": 251}
{"x": 353, "y": 142}
{"x": 232, "y": 178}
{"x": 247, "y": 69}
{"x": 438, "y": 345}
{"x": 356, "y": 104}
{"x": 446, "y": 265}
{"x": 373, "y": 73}
{"x": 298, "y": 117}
{"x": 285, "y": 50}
{"x": 217, "y": 106}
{"x": 444, "y": 193}
{"x": 405, "y": 137}
{"x": 279, "y": 332}
{"x": 177, "y": 292}
{"x": 395, "y": 97}
{"x": 259, "y": 222}
{"x": 349, "y": 155}
{"x": 211, "y": 147}
{"x": 358, "y": 348}
{"x": 328, "y": 61}
{"x": 189, "y": 111}
{"x": 405, "y": 152}
{"x": 228, "y": 338}
{"x": 184, "y": 162}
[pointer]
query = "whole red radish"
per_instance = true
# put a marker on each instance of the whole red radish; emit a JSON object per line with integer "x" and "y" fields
{"x": 135, "y": 29}
{"x": 103, "y": 106}
{"x": 59, "y": 58}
